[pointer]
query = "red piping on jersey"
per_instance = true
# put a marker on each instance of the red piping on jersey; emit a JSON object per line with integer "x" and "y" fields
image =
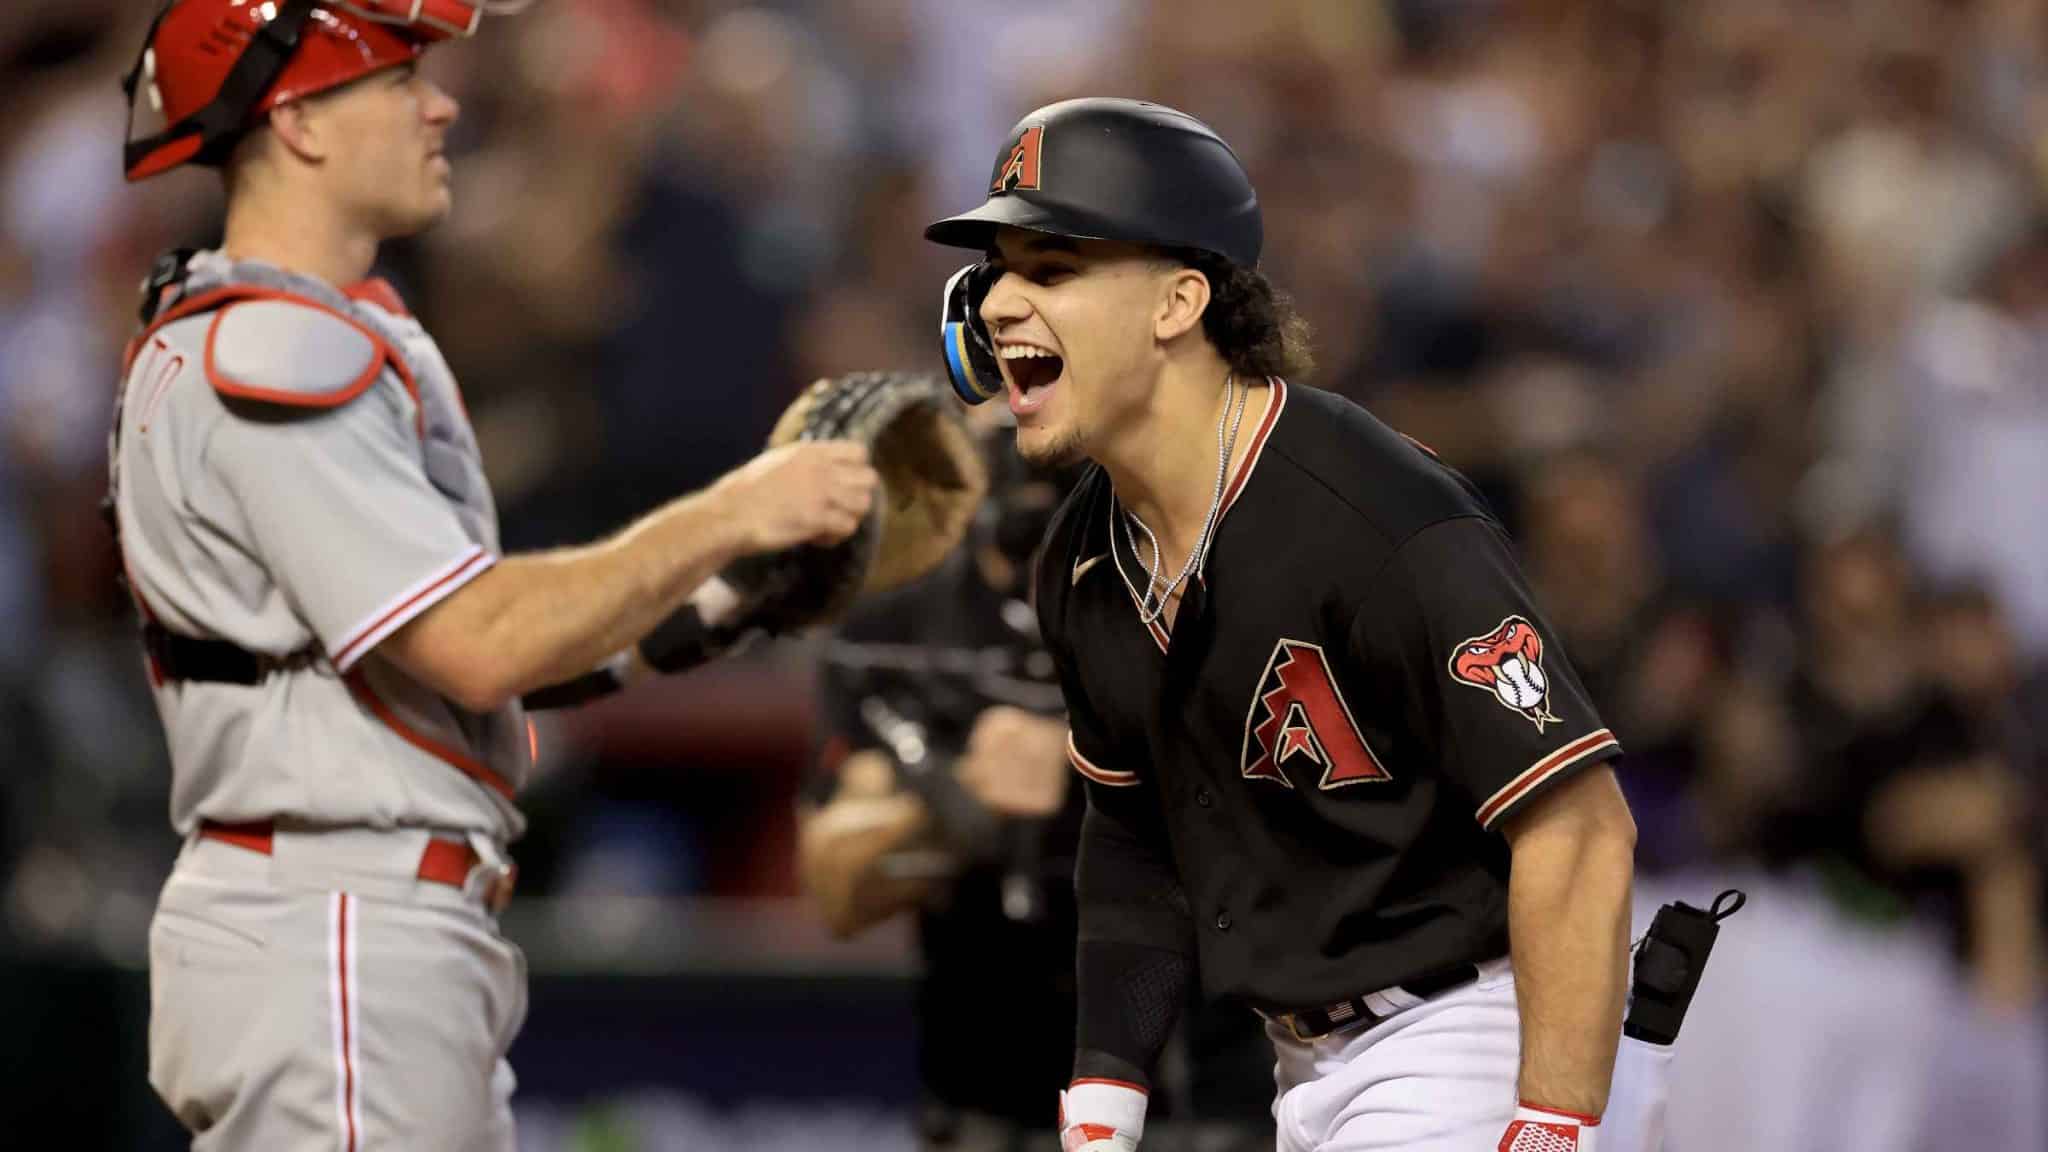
{"x": 468, "y": 766}
{"x": 377, "y": 290}
{"x": 1162, "y": 633}
{"x": 1258, "y": 446}
{"x": 348, "y": 1064}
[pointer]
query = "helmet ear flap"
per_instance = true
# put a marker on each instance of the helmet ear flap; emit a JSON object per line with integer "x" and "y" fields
{"x": 970, "y": 354}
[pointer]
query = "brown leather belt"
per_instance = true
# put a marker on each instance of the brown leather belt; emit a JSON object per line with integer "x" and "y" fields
{"x": 1358, "y": 1012}
{"x": 449, "y": 862}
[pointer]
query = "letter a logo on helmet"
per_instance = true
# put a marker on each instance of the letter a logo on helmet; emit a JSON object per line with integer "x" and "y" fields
{"x": 1019, "y": 171}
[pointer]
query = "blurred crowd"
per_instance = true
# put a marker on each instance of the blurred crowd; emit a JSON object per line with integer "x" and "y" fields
{"x": 1738, "y": 311}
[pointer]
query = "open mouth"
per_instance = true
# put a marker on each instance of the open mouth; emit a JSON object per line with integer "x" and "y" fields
{"x": 1032, "y": 373}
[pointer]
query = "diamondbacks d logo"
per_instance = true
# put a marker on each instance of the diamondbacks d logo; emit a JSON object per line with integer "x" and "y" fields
{"x": 1297, "y": 713}
{"x": 1507, "y": 662}
{"x": 1019, "y": 173}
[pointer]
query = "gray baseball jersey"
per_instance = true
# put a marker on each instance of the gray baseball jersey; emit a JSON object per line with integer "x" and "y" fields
{"x": 296, "y": 475}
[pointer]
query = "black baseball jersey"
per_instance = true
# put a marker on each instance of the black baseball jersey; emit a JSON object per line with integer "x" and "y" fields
{"x": 1311, "y": 768}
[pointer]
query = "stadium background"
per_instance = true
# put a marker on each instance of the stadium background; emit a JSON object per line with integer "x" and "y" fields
{"x": 1738, "y": 309}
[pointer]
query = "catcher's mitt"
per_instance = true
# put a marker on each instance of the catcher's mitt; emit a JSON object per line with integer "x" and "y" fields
{"x": 933, "y": 479}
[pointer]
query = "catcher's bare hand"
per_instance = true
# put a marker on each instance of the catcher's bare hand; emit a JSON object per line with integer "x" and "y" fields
{"x": 1016, "y": 762}
{"x": 808, "y": 492}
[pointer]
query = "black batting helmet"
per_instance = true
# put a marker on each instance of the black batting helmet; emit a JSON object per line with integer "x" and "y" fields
{"x": 1098, "y": 168}
{"x": 1108, "y": 169}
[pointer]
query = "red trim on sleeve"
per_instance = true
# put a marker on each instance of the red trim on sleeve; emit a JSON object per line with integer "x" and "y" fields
{"x": 353, "y": 648}
{"x": 1544, "y": 769}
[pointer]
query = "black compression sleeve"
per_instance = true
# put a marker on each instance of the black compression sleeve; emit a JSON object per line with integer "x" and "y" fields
{"x": 1129, "y": 995}
{"x": 1136, "y": 950}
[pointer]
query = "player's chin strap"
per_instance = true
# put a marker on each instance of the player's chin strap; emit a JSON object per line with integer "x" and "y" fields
{"x": 970, "y": 354}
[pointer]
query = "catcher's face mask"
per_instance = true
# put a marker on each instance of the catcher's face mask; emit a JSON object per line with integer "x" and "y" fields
{"x": 970, "y": 354}
{"x": 194, "y": 100}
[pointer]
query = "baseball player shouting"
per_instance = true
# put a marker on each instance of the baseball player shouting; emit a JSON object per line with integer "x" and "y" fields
{"x": 337, "y": 649}
{"x": 1334, "y": 757}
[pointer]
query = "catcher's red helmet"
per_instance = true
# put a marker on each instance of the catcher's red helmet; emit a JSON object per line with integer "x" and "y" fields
{"x": 209, "y": 67}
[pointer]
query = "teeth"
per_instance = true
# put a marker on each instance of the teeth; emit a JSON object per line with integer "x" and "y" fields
{"x": 1021, "y": 352}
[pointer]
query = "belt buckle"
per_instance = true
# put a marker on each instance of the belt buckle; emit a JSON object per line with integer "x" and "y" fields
{"x": 1292, "y": 1022}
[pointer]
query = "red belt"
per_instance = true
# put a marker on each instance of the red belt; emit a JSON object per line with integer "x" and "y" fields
{"x": 447, "y": 862}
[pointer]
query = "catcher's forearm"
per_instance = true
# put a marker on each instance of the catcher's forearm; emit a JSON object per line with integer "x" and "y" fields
{"x": 697, "y": 633}
{"x": 1568, "y": 922}
{"x": 546, "y": 618}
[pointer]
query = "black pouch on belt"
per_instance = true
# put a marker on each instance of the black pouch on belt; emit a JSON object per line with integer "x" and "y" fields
{"x": 1669, "y": 963}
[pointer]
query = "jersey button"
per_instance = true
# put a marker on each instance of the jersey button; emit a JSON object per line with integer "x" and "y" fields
{"x": 1223, "y": 921}
{"x": 1203, "y": 798}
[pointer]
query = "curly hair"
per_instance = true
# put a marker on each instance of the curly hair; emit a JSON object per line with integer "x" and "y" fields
{"x": 1252, "y": 324}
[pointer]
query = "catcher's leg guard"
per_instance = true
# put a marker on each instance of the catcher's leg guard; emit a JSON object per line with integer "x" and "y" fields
{"x": 1668, "y": 965}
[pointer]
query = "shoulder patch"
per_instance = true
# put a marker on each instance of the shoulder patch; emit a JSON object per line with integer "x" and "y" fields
{"x": 293, "y": 352}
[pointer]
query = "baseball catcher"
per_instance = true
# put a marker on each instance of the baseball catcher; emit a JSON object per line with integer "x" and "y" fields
{"x": 337, "y": 644}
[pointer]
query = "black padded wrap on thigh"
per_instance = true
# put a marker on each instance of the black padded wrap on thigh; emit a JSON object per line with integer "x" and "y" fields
{"x": 1130, "y": 997}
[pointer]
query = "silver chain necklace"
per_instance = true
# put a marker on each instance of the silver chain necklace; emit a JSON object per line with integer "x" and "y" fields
{"x": 1148, "y": 611}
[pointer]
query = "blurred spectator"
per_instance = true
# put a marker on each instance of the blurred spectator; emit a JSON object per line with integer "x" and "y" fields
{"x": 1909, "y": 807}
{"x": 1974, "y": 445}
{"x": 1652, "y": 665}
{"x": 88, "y": 785}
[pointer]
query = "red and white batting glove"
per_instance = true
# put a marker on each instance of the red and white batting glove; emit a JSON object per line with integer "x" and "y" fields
{"x": 1539, "y": 1129}
{"x": 1101, "y": 1116}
